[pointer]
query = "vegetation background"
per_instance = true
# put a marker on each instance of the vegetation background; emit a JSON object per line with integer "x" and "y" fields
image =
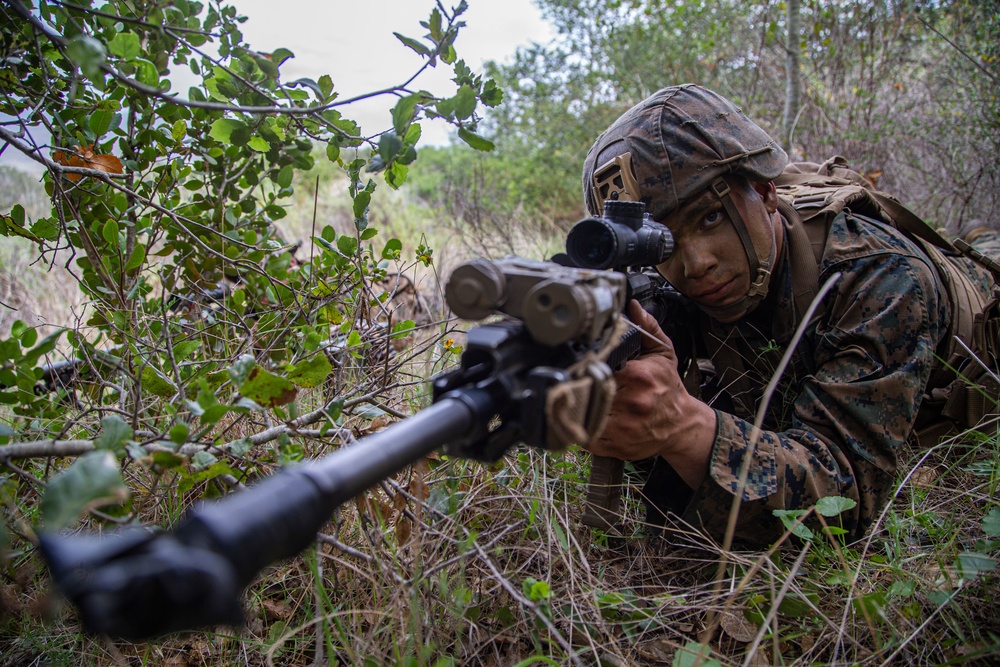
{"x": 177, "y": 247}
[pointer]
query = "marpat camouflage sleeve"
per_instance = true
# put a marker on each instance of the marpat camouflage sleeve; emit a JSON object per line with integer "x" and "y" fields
{"x": 853, "y": 403}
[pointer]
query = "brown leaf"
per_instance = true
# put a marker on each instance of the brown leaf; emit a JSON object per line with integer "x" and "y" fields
{"x": 106, "y": 163}
{"x": 276, "y": 609}
{"x": 399, "y": 502}
{"x": 85, "y": 157}
{"x": 403, "y": 530}
{"x": 364, "y": 505}
{"x": 738, "y": 627}
{"x": 657, "y": 651}
{"x": 418, "y": 488}
{"x": 924, "y": 477}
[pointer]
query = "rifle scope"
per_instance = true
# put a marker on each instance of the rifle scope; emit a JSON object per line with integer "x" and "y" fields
{"x": 624, "y": 236}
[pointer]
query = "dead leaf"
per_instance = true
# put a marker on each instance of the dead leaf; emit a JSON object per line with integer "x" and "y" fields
{"x": 418, "y": 487}
{"x": 85, "y": 157}
{"x": 276, "y": 610}
{"x": 385, "y": 509}
{"x": 738, "y": 627}
{"x": 364, "y": 505}
{"x": 658, "y": 651}
{"x": 403, "y": 530}
{"x": 399, "y": 502}
{"x": 873, "y": 176}
{"x": 924, "y": 477}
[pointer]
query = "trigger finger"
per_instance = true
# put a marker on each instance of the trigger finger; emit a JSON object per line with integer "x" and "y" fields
{"x": 641, "y": 318}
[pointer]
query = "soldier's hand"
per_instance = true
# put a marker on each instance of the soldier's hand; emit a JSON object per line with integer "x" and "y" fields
{"x": 652, "y": 413}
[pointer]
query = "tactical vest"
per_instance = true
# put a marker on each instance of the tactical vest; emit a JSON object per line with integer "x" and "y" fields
{"x": 963, "y": 389}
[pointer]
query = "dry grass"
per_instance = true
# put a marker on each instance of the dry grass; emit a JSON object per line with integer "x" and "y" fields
{"x": 453, "y": 562}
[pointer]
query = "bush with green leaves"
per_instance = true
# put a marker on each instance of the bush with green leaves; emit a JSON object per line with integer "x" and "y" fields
{"x": 204, "y": 324}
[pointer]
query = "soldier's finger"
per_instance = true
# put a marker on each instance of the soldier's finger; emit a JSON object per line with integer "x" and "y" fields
{"x": 653, "y": 338}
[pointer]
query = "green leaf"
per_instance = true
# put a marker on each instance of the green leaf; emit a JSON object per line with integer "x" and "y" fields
{"x": 347, "y": 245}
{"x": 179, "y": 433}
{"x": 311, "y": 372}
{"x": 114, "y": 434}
{"x": 692, "y": 654}
{"x": 110, "y": 233}
{"x": 789, "y": 517}
{"x": 902, "y": 588}
{"x": 465, "y": 102}
{"x": 361, "y": 202}
{"x": 179, "y": 129}
{"x": 184, "y": 349}
{"x": 797, "y": 606}
{"x": 971, "y": 564}
{"x": 491, "y": 95}
{"x": 389, "y": 145}
{"x": 92, "y": 481}
{"x": 834, "y": 505}
{"x": 100, "y": 120}
{"x": 88, "y": 54}
{"x": 395, "y": 175}
{"x": 991, "y": 522}
{"x": 325, "y": 86}
{"x": 125, "y": 45}
{"x": 402, "y": 113}
{"x": 332, "y": 152}
{"x": 207, "y": 467}
{"x": 146, "y": 73}
{"x": 47, "y": 344}
{"x": 403, "y": 329}
{"x": 413, "y": 44}
{"x": 284, "y": 178}
{"x": 29, "y": 337}
{"x": 872, "y": 605}
{"x": 238, "y": 372}
{"x": 222, "y": 129}
{"x": 474, "y": 140}
{"x": 267, "y": 389}
{"x": 156, "y": 383}
{"x": 259, "y": 144}
{"x": 392, "y": 250}
{"x": 168, "y": 459}
{"x": 213, "y": 413}
{"x": 137, "y": 258}
{"x": 203, "y": 460}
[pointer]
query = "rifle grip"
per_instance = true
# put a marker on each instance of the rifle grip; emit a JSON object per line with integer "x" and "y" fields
{"x": 603, "y": 493}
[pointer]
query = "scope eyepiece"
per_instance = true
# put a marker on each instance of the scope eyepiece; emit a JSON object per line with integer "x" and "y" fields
{"x": 624, "y": 236}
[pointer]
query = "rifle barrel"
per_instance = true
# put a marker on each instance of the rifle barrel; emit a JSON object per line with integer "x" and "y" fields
{"x": 139, "y": 584}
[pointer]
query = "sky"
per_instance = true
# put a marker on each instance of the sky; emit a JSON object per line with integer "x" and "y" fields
{"x": 353, "y": 42}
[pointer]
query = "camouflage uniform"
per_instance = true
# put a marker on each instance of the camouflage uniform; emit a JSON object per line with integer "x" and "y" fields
{"x": 851, "y": 395}
{"x": 848, "y": 400}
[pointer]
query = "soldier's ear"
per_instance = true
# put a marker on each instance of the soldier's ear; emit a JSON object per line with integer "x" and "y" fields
{"x": 768, "y": 195}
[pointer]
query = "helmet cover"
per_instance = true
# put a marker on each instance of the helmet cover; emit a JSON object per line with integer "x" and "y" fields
{"x": 680, "y": 139}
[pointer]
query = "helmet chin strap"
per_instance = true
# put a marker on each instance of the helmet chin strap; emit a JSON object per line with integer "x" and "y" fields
{"x": 760, "y": 271}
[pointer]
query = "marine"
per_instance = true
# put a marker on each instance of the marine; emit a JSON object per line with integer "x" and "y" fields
{"x": 869, "y": 299}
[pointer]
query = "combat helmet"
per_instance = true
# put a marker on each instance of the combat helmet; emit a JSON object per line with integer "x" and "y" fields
{"x": 671, "y": 147}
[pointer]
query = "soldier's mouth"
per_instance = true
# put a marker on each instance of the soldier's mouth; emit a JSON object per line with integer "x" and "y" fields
{"x": 718, "y": 295}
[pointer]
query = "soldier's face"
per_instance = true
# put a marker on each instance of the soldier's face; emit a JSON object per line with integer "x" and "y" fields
{"x": 709, "y": 264}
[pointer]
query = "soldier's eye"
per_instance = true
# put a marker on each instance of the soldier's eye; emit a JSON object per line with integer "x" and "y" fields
{"x": 711, "y": 219}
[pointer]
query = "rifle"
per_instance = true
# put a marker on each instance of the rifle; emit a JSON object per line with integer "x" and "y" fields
{"x": 536, "y": 376}
{"x": 625, "y": 240}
